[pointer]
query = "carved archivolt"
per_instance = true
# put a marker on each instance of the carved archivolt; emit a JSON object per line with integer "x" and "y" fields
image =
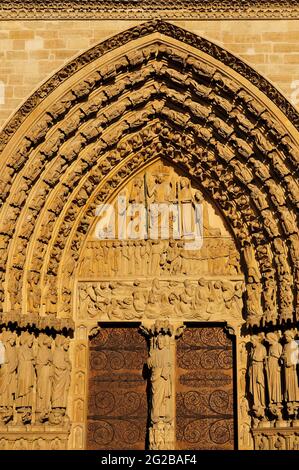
{"x": 159, "y": 98}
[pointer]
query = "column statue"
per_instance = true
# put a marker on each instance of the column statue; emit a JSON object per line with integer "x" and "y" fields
{"x": 26, "y": 377}
{"x": 257, "y": 376}
{"x": 273, "y": 369}
{"x": 290, "y": 356}
{"x": 61, "y": 379}
{"x": 44, "y": 372}
{"x": 8, "y": 375}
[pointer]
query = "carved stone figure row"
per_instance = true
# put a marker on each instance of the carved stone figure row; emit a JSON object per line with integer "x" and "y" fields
{"x": 154, "y": 257}
{"x": 158, "y": 204}
{"x": 36, "y": 322}
{"x": 29, "y": 441}
{"x": 273, "y": 376}
{"x": 276, "y": 439}
{"x": 203, "y": 299}
{"x": 34, "y": 377}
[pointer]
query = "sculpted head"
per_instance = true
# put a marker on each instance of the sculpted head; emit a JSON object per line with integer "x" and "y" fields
{"x": 289, "y": 336}
{"x": 12, "y": 339}
{"x": 184, "y": 183}
{"x": 272, "y": 338}
{"x": 198, "y": 197}
{"x": 172, "y": 298}
{"x": 26, "y": 338}
{"x": 256, "y": 339}
{"x": 161, "y": 341}
{"x": 47, "y": 341}
{"x": 59, "y": 341}
{"x": 9, "y": 337}
{"x": 66, "y": 344}
{"x": 138, "y": 183}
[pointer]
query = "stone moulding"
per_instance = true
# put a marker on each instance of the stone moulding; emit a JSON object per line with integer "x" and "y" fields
{"x": 148, "y": 9}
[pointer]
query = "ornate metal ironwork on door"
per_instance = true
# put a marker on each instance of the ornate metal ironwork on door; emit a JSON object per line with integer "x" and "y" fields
{"x": 117, "y": 406}
{"x": 204, "y": 390}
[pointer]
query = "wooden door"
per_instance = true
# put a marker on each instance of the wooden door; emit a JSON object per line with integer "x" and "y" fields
{"x": 117, "y": 403}
{"x": 204, "y": 390}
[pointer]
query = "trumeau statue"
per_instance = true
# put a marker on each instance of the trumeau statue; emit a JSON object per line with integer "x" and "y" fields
{"x": 159, "y": 362}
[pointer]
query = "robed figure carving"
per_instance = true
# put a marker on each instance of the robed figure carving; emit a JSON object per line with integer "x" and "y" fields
{"x": 273, "y": 369}
{"x": 8, "y": 375}
{"x": 257, "y": 375}
{"x": 161, "y": 387}
{"x": 26, "y": 376}
{"x": 290, "y": 357}
{"x": 62, "y": 374}
{"x": 44, "y": 372}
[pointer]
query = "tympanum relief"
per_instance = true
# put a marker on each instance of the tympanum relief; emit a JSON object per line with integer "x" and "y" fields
{"x": 184, "y": 265}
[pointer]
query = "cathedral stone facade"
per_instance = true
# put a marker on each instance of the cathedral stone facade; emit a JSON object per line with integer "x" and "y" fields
{"x": 149, "y": 226}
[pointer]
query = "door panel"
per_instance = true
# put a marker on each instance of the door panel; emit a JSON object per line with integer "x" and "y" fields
{"x": 117, "y": 404}
{"x": 204, "y": 394}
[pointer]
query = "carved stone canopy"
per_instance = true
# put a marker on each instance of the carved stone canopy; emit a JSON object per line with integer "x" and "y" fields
{"x": 153, "y": 91}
